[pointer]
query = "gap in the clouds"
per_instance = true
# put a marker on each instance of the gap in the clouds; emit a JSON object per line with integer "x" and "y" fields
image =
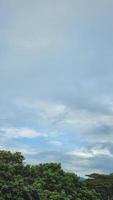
{"x": 67, "y": 141}
{"x": 70, "y": 140}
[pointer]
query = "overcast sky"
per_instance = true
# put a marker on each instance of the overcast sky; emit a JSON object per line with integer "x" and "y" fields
{"x": 56, "y": 82}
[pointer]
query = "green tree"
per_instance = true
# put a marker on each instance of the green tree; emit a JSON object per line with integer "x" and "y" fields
{"x": 24, "y": 182}
{"x": 103, "y": 184}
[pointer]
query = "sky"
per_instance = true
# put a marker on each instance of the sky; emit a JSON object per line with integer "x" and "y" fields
{"x": 56, "y": 82}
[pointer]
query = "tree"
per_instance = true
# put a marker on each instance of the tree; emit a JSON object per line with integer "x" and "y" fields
{"x": 103, "y": 184}
{"x": 26, "y": 182}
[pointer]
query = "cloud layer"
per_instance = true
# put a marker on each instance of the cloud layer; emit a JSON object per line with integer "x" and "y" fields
{"x": 56, "y": 80}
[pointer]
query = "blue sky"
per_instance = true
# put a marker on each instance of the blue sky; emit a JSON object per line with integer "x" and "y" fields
{"x": 56, "y": 82}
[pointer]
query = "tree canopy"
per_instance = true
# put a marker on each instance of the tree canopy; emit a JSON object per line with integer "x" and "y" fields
{"x": 103, "y": 184}
{"x": 49, "y": 181}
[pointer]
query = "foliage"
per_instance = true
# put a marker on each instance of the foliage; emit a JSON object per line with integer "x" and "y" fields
{"x": 19, "y": 181}
{"x": 103, "y": 184}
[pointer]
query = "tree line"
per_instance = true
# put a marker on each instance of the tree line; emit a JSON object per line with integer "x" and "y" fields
{"x": 19, "y": 181}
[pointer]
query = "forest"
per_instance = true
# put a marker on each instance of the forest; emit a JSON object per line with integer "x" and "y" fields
{"x": 20, "y": 181}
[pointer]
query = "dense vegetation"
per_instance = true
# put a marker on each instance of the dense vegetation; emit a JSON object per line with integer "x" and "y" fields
{"x": 19, "y": 181}
{"x": 103, "y": 184}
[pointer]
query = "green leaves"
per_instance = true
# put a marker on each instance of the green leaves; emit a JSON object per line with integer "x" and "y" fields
{"x": 19, "y": 181}
{"x": 103, "y": 184}
{"x": 11, "y": 158}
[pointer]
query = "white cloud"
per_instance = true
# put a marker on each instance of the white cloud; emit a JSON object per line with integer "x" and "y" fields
{"x": 55, "y": 143}
{"x": 21, "y": 133}
{"x": 49, "y": 109}
{"x": 83, "y": 153}
{"x": 61, "y": 114}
